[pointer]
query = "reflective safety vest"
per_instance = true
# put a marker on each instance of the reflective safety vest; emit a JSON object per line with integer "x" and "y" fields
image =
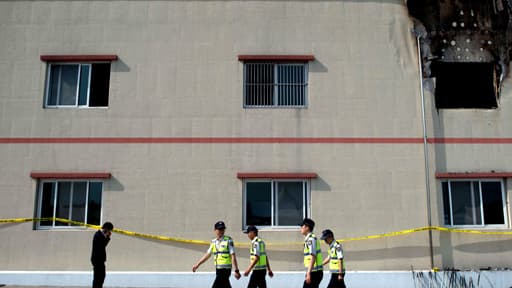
{"x": 262, "y": 262}
{"x": 334, "y": 262}
{"x": 222, "y": 257}
{"x": 308, "y": 256}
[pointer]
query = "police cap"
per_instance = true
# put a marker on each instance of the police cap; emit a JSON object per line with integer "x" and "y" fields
{"x": 308, "y": 222}
{"x": 251, "y": 228}
{"x": 220, "y": 225}
{"x": 326, "y": 234}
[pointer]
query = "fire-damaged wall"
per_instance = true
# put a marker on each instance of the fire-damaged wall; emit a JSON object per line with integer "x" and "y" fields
{"x": 466, "y": 46}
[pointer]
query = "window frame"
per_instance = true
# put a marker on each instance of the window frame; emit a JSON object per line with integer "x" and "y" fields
{"x": 77, "y": 105}
{"x": 481, "y": 208}
{"x": 56, "y": 182}
{"x": 274, "y": 183}
{"x": 276, "y": 84}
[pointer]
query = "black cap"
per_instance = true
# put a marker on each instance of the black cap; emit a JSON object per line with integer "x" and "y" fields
{"x": 326, "y": 234}
{"x": 220, "y": 225}
{"x": 251, "y": 228}
{"x": 308, "y": 222}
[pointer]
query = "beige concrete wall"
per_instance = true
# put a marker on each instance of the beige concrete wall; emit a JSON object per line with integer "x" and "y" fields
{"x": 178, "y": 76}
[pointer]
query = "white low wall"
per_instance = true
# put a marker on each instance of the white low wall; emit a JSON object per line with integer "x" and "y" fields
{"x": 354, "y": 279}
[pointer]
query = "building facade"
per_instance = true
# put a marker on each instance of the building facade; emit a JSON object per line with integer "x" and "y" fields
{"x": 166, "y": 116}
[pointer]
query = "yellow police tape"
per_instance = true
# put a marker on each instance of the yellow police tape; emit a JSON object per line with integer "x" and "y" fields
{"x": 189, "y": 241}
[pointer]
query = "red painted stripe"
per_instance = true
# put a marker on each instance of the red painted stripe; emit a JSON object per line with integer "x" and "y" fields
{"x": 470, "y": 140}
{"x": 277, "y": 58}
{"x": 255, "y": 140}
{"x": 70, "y": 175}
{"x": 78, "y": 58}
{"x": 276, "y": 175}
{"x": 471, "y": 175}
{"x": 192, "y": 140}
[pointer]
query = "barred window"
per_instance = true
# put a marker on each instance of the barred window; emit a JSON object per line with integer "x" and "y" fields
{"x": 275, "y": 84}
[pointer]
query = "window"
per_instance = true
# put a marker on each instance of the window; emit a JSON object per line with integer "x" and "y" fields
{"x": 474, "y": 203}
{"x": 73, "y": 200}
{"x": 275, "y": 84}
{"x": 465, "y": 85}
{"x": 77, "y": 85}
{"x": 275, "y": 203}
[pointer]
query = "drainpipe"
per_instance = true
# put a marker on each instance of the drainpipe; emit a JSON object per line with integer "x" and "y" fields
{"x": 425, "y": 153}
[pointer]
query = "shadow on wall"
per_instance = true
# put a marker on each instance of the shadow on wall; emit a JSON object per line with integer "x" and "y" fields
{"x": 317, "y": 67}
{"x": 114, "y": 185}
{"x": 120, "y": 66}
{"x": 453, "y": 279}
{"x": 319, "y": 184}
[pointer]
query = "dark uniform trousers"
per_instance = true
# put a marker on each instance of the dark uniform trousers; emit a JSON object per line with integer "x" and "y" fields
{"x": 258, "y": 279}
{"x": 99, "y": 275}
{"x": 222, "y": 278}
{"x": 335, "y": 283}
{"x": 316, "y": 278}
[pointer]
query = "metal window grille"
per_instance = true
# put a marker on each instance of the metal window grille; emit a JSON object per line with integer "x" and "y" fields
{"x": 275, "y": 85}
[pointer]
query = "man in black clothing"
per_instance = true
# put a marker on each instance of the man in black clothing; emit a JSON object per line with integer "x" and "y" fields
{"x": 99, "y": 253}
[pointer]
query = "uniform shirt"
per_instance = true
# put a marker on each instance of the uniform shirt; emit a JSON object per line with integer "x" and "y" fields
{"x": 256, "y": 246}
{"x": 311, "y": 243}
{"x": 216, "y": 242}
{"x": 337, "y": 248}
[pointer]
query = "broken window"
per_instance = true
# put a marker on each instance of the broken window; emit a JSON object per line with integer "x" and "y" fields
{"x": 465, "y": 85}
{"x": 466, "y": 45}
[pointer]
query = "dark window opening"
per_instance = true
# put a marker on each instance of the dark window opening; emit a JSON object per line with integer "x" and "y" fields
{"x": 465, "y": 85}
{"x": 100, "y": 80}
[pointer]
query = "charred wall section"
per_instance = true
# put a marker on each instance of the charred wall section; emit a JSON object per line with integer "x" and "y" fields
{"x": 460, "y": 38}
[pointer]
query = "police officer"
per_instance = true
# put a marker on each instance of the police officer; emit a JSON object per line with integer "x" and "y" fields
{"x": 223, "y": 249}
{"x": 259, "y": 260}
{"x": 312, "y": 255}
{"x": 335, "y": 260}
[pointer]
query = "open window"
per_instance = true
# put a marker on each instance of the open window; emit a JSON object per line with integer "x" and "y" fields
{"x": 465, "y": 85}
{"x": 77, "y": 80}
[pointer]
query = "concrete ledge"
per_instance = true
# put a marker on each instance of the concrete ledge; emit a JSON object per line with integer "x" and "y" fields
{"x": 354, "y": 279}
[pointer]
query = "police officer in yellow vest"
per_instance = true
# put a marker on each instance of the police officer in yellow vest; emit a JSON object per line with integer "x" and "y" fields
{"x": 259, "y": 260}
{"x": 335, "y": 260}
{"x": 312, "y": 255}
{"x": 223, "y": 249}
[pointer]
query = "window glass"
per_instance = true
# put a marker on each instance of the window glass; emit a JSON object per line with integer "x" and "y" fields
{"x": 63, "y": 202}
{"x": 47, "y": 202}
{"x": 289, "y": 203}
{"x": 53, "y": 88}
{"x": 493, "y": 203}
{"x": 446, "y": 204}
{"x": 258, "y": 203}
{"x": 68, "y": 85}
{"x": 94, "y": 203}
{"x": 84, "y": 85}
{"x": 79, "y": 196}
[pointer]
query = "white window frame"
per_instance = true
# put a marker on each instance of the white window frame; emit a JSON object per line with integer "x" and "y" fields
{"x": 306, "y": 200}
{"x": 276, "y": 84}
{"x": 483, "y": 225}
{"x": 77, "y": 93}
{"x": 57, "y": 181}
